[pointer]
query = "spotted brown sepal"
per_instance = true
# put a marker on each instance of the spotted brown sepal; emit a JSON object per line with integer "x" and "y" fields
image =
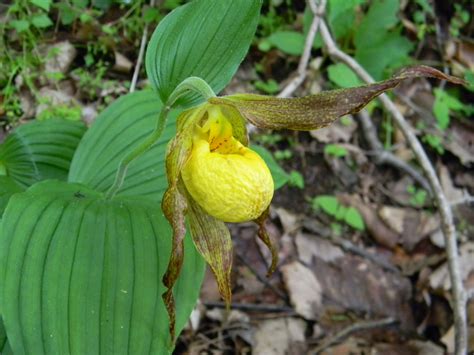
{"x": 213, "y": 241}
{"x": 266, "y": 239}
{"x": 175, "y": 206}
{"x": 317, "y": 111}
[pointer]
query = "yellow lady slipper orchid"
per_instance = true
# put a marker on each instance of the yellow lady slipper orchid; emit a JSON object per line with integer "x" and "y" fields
{"x": 228, "y": 180}
{"x": 215, "y": 178}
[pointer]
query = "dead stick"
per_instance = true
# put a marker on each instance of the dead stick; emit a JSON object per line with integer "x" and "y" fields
{"x": 304, "y": 60}
{"x": 382, "y": 156}
{"x": 252, "y": 307}
{"x": 351, "y": 329}
{"x": 447, "y": 224}
{"x": 141, "y": 54}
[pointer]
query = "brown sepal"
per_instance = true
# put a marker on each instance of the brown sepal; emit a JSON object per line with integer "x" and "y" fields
{"x": 265, "y": 238}
{"x": 213, "y": 241}
{"x": 317, "y": 111}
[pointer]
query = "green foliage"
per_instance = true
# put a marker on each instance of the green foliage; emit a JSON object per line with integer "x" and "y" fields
{"x": 283, "y": 154}
{"x": 341, "y": 15}
{"x": 434, "y": 142}
{"x": 469, "y": 77}
{"x": 459, "y": 20}
{"x": 343, "y": 76}
{"x": 444, "y": 103}
{"x": 280, "y": 176}
{"x": 421, "y": 18}
{"x": 197, "y": 26}
{"x": 87, "y": 270}
{"x": 417, "y": 196}
{"x": 44, "y": 4}
{"x": 41, "y": 21}
{"x": 269, "y": 87}
{"x": 40, "y": 150}
{"x": 289, "y": 42}
{"x": 296, "y": 179}
{"x": 331, "y": 206}
{"x": 65, "y": 112}
{"x": 335, "y": 150}
{"x": 378, "y": 45}
{"x": 112, "y": 136}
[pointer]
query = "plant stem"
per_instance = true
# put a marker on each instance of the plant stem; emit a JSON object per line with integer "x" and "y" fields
{"x": 138, "y": 151}
{"x": 194, "y": 84}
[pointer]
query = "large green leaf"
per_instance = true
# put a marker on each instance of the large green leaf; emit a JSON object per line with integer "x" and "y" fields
{"x": 80, "y": 274}
{"x": 4, "y": 344}
{"x": 40, "y": 150}
{"x": 117, "y": 130}
{"x": 204, "y": 38}
{"x": 8, "y": 187}
{"x": 378, "y": 47}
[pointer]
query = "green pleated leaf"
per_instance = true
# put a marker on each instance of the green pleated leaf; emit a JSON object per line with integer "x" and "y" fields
{"x": 82, "y": 275}
{"x": 116, "y": 131}
{"x": 204, "y": 38}
{"x": 4, "y": 344}
{"x": 8, "y": 187}
{"x": 40, "y": 150}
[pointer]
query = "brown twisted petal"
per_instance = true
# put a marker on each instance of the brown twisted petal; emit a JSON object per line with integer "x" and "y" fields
{"x": 266, "y": 239}
{"x": 317, "y": 111}
{"x": 213, "y": 241}
{"x": 174, "y": 206}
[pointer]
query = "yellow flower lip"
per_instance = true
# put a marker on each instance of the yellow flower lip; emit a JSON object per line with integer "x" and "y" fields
{"x": 228, "y": 180}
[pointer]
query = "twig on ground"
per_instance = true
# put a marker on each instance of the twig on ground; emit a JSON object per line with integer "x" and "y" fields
{"x": 467, "y": 199}
{"x": 347, "y": 245}
{"x": 351, "y": 329}
{"x": 252, "y": 307}
{"x": 304, "y": 60}
{"x": 263, "y": 279}
{"x": 449, "y": 231}
{"x": 141, "y": 54}
{"x": 383, "y": 156}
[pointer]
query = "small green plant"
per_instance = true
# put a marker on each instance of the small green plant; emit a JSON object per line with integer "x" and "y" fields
{"x": 335, "y": 150}
{"x": 296, "y": 179}
{"x": 434, "y": 142}
{"x": 417, "y": 196}
{"x": 269, "y": 87}
{"x": 331, "y": 206}
{"x": 460, "y": 19}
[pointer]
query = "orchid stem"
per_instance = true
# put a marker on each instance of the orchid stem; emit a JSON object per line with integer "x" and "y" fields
{"x": 193, "y": 84}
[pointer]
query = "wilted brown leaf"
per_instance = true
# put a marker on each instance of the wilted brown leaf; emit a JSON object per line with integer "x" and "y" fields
{"x": 283, "y": 336}
{"x": 304, "y": 289}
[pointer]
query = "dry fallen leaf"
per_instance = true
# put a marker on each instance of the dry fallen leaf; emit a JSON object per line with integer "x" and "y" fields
{"x": 59, "y": 57}
{"x": 382, "y": 234}
{"x": 122, "y": 63}
{"x": 337, "y": 132}
{"x": 281, "y": 336}
{"x": 310, "y": 246}
{"x": 353, "y": 283}
{"x": 412, "y": 225}
{"x": 452, "y": 193}
{"x": 460, "y": 142}
{"x": 304, "y": 289}
{"x": 440, "y": 280}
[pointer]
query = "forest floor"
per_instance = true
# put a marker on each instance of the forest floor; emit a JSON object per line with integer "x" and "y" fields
{"x": 362, "y": 262}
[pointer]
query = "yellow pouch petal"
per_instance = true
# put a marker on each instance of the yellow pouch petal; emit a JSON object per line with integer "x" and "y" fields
{"x": 228, "y": 180}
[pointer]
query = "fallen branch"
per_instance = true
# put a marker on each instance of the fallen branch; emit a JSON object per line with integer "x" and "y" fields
{"x": 141, "y": 54}
{"x": 351, "y": 329}
{"x": 383, "y": 156}
{"x": 306, "y": 56}
{"x": 447, "y": 224}
{"x": 252, "y": 307}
